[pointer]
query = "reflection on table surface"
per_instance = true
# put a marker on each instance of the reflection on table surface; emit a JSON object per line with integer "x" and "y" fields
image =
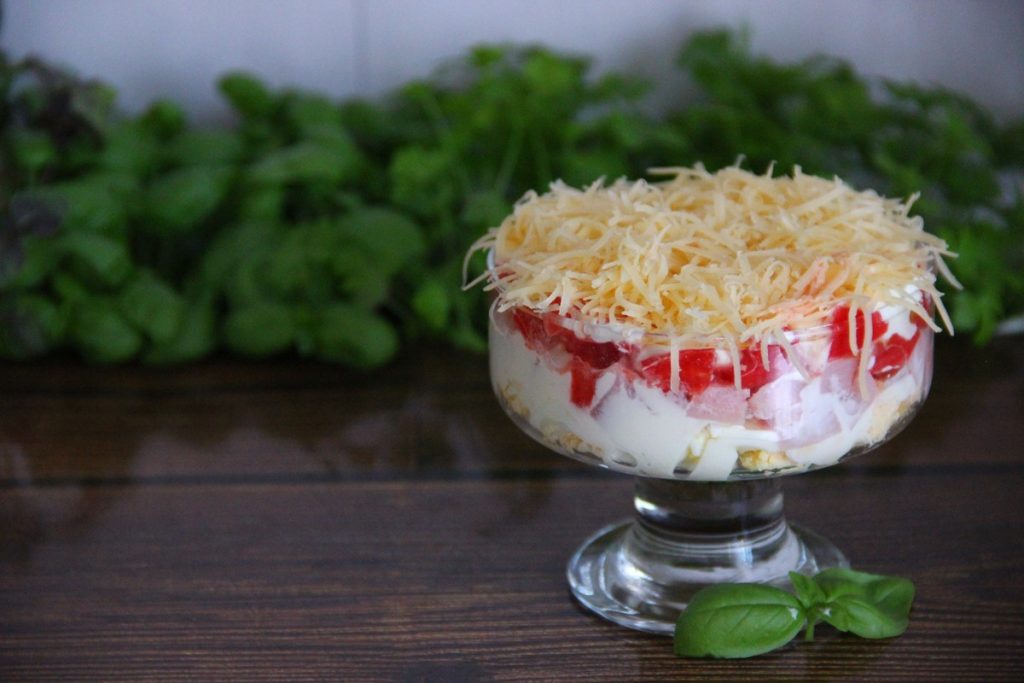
{"x": 291, "y": 520}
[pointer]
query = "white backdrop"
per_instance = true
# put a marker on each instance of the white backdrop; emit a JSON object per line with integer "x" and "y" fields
{"x": 177, "y": 48}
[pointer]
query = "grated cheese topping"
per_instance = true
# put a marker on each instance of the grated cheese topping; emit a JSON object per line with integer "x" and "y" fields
{"x": 729, "y": 258}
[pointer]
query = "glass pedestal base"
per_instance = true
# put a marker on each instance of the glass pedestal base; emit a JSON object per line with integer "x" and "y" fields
{"x": 641, "y": 573}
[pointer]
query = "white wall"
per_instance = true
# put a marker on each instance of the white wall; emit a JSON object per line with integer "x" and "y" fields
{"x": 177, "y": 48}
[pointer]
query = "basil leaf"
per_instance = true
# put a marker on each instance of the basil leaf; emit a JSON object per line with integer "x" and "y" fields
{"x": 203, "y": 148}
{"x": 97, "y": 258}
{"x": 96, "y": 202}
{"x": 390, "y": 238}
{"x": 130, "y": 149}
{"x": 431, "y": 304}
{"x": 32, "y": 150}
{"x": 30, "y": 325}
{"x": 306, "y": 162}
{"x": 859, "y": 616}
{"x": 811, "y": 597}
{"x": 233, "y": 245}
{"x": 152, "y": 305}
{"x": 259, "y": 330}
{"x": 807, "y": 591}
{"x": 868, "y": 605}
{"x": 737, "y": 620}
{"x": 101, "y": 333}
{"x": 893, "y": 592}
{"x": 195, "y": 338}
{"x": 39, "y": 257}
{"x": 179, "y": 200}
{"x": 354, "y": 335}
{"x": 247, "y": 94}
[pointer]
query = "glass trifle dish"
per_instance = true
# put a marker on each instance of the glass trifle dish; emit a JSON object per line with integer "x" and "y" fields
{"x": 708, "y": 334}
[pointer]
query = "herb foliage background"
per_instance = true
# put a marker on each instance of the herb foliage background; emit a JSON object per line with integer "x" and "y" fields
{"x": 337, "y": 229}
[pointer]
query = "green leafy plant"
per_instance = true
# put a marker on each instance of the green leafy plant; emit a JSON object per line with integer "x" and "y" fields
{"x": 744, "y": 620}
{"x": 146, "y": 238}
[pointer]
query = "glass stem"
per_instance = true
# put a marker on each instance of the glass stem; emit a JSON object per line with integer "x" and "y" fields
{"x": 711, "y": 512}
{"x": 719, "y": 527}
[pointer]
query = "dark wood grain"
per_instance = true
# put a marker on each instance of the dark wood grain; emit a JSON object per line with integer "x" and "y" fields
{"x": 291, "y": 521}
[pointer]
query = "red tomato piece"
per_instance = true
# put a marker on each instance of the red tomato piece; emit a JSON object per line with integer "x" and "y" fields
{"x": 892, "y": 354}
{"x": 753, "y": 373}
{"x": 695, "y": 370}
{"x": 553, "y": 326}
{"x": 841, "y": 331}
{"x": 584, "y": 383}
{"x": 530, "y": 326}
{"x": 597, "y": 355}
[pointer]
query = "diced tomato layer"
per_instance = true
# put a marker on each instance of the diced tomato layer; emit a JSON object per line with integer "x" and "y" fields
{"x": 696, "y": 368}
{"x": 841, "y": 331}
{"x": 892, "y": 354}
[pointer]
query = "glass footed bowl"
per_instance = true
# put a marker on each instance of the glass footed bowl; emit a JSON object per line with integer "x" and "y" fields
{"x": 707, "y": 451}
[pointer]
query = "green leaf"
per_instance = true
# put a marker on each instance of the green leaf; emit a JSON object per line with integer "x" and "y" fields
{"x": 584, "y": 167}
{"x": 864, "y": 618}
{"x": 178, "y": 201}
{"x": 551, "y": 75}
{"x": 245, "y": 285}
{"x": 355, "y": 336}
{"x": 233, "y": 245}
{"x": 164, "y": 118}
{"x": 811, "y": 597}
{"x": 203, "y": 148}
{"x": 359, "y": 278}
{"x": 153, "y": 306}
{"x": 867, "y": 605}
{"x": 295, "y": 269}
{"x": 40, "y": 256}
{"x": 306, "y": 162}
{"x": 196, "y": 337}
{"x": 464, "y": 336}
{"x": 807, "y": 591}
{"x": 262, "y": 203}
{"x": 422, "y": 180}
{"x": 431, "y": 304}
{"x": 31, "y": 150}
{"x": 96, "y": 258}
{"x": 30, "y": 326}
{"x": 97, "y": 202}
{"x": 247, "y": 94}
{"x": 389, "y": 238}
{"x": 309, "y": 112}
{"x": 130, "y": 148}
{"x": 101, "y": 334}
{"x": 737, "y": 620}
{"x": 259, "y": 330}
{"x": 485, "y": 209}
{"x": 69, "y": 289}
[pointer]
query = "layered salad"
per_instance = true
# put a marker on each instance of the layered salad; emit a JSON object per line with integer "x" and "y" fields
{"x": 714, "y": 325}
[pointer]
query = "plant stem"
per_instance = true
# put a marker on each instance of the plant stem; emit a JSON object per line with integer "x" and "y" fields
{"x": 812, "y": 620}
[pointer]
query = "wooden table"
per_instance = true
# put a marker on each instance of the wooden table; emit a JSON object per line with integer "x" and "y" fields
{"x": 295, "y": 521}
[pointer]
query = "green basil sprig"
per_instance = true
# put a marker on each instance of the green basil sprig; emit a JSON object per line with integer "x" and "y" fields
{"x": 743, "y": 619}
